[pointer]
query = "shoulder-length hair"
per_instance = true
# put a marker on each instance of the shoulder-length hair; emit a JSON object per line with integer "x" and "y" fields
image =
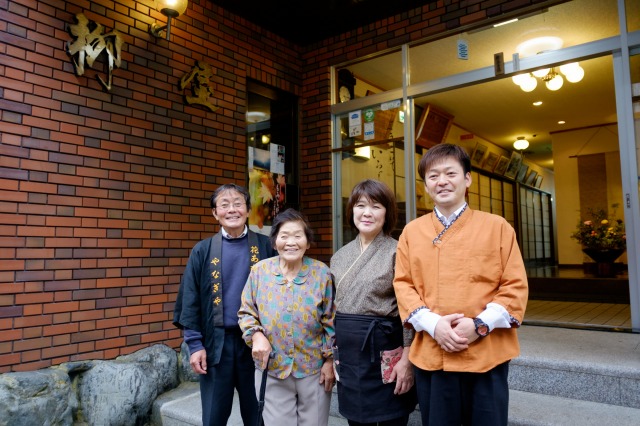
{"x": 290, "y": 215}
{"x": 439, "y": 153}
{"x": 376, "y": 191}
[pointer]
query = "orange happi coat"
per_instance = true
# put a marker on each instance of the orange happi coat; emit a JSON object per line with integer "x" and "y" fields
{"x": 477, "y": 262}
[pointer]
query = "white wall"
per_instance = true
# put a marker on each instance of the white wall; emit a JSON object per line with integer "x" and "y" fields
{"x": 566, "y": 146}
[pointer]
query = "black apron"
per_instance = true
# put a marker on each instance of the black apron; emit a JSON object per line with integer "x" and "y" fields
{"x": 362, "y": 397}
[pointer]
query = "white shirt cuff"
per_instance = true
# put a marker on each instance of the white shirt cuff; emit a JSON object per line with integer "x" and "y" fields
{"x": 425, "y": 320}
{"x": 495, "y": 316}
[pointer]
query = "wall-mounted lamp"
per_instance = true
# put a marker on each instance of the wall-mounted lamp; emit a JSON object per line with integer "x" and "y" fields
{"x": 521, "y": 143}
{"x": 363, "y": 152}
{"x": 170, "y": 9}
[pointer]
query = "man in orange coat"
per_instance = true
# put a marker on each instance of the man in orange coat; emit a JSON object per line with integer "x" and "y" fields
{"x": 461, "y": 284}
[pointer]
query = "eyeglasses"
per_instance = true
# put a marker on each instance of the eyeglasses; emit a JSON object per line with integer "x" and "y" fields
{"x": 227, "y": 206}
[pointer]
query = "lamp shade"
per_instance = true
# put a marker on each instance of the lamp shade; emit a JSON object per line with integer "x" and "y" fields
{"x": 529, "y": 83}
{"x": 575, "y": 74}
{"x": 542, "y": 72}
{"x": 172, "y": 8}
{"x": 521, "y": 143}
{"x": 555, "y": 83}
{"x": 519, "y": 78}
{"x": 363, "y": 152}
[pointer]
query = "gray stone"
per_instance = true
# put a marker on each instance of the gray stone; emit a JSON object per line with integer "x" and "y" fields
{"x": 41, "y": 397}
{"x": 117, "y": 393}
{"x": 164, "y": 361}
{"x": 185, "y": 371}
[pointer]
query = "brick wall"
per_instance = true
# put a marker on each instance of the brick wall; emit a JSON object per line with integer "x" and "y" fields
{"x": 103, "y": 194}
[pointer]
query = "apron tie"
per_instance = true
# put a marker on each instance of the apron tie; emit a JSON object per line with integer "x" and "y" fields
{"x": 385, "y": 326}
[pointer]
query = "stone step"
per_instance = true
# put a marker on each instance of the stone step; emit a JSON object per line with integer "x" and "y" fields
{"x": 563, "y": 377}
{"x": 584, "y": 365}
{"x": 181, "y": 407}
{"x": 532, "y": 409}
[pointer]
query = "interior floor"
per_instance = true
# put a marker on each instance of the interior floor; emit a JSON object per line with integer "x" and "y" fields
{"x": 575, "y": 297}
{"x": 587, "y": 315}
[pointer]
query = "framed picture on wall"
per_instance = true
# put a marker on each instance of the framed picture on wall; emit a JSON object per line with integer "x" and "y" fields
{"x": 514, "y": 165}
{"x": 538, "y": 183}
{"x": 531, "y": 178}
{"x": 501, "y": 166}
{"x": 478, "y": 154}
{"x": 491, "y": 161}
{"x": 433, "y": 126}
{"x": 522, "y": 173}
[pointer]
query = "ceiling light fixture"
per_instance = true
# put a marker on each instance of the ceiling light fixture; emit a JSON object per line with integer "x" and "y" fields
{"x": 573, "y": 72}
{"x": 521, "y": 143}
{"x": 170, "y": 9}
{"x": 537, "y": 103}
{"x": 257, "y": 116}
{"x": 362, "y": 152}
{"x": 510, "y": 21}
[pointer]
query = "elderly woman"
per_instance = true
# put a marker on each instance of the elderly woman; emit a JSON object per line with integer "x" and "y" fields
{"x": 375, "y": 378}
{"x": 287, "y": 310}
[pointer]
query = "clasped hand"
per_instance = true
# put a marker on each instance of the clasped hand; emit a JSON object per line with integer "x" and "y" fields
{"x": 455, "y": 332}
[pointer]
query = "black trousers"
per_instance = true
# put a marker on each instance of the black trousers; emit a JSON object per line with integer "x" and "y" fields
{"x": 401, "y": 421}
{"x": 454, "y": 399}
{"x": 234, "y": 371}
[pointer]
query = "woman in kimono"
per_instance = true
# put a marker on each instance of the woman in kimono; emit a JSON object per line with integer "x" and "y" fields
{"x": 375, "y": 377}
{"x": 287, "y": 313}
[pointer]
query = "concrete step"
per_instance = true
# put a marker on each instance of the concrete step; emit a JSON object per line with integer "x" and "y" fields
{"x": 563, "y": 377}
{"x": 532, "y": 409}
{"x": 181, "y": 407}
{"x": 587, "y": 365}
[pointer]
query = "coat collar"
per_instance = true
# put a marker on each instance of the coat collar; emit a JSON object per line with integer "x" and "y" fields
{"x": 299, "y": 279}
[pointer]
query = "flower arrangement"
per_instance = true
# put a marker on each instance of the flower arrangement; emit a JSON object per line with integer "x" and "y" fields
{"x": 600, "y": 232}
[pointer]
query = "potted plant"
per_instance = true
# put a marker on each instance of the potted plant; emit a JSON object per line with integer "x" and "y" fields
{"x": 602, "y": 238}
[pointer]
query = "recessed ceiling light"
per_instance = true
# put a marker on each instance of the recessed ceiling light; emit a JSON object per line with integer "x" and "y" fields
{"x": 561, "y": 122}
{"x": 537, "y": 103}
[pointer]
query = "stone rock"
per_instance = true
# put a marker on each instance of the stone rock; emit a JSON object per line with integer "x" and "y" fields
{"x": 42, "y": 397}
{"x": 116, "y": 393}
{"x": 164, "y": 361}
{"x": 185, "y": 371}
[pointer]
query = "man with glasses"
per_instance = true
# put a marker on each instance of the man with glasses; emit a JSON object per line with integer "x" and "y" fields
{"x": 207, "y": 308}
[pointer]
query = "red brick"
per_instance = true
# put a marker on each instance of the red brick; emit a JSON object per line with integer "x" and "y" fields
{"x": 10, "y": 359}
{"x": 23, "y": 345}
{"x": 31, "y": 366}
{"x": 59, "y": 350}
{"x": 60, "y": 307}
{"x": 60, "y": 329}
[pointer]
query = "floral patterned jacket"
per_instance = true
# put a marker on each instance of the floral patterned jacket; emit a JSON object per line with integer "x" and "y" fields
{"x": 297, "y": 317}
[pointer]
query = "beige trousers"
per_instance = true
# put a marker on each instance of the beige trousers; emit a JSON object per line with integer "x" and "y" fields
{"x": 294, "y": 402}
